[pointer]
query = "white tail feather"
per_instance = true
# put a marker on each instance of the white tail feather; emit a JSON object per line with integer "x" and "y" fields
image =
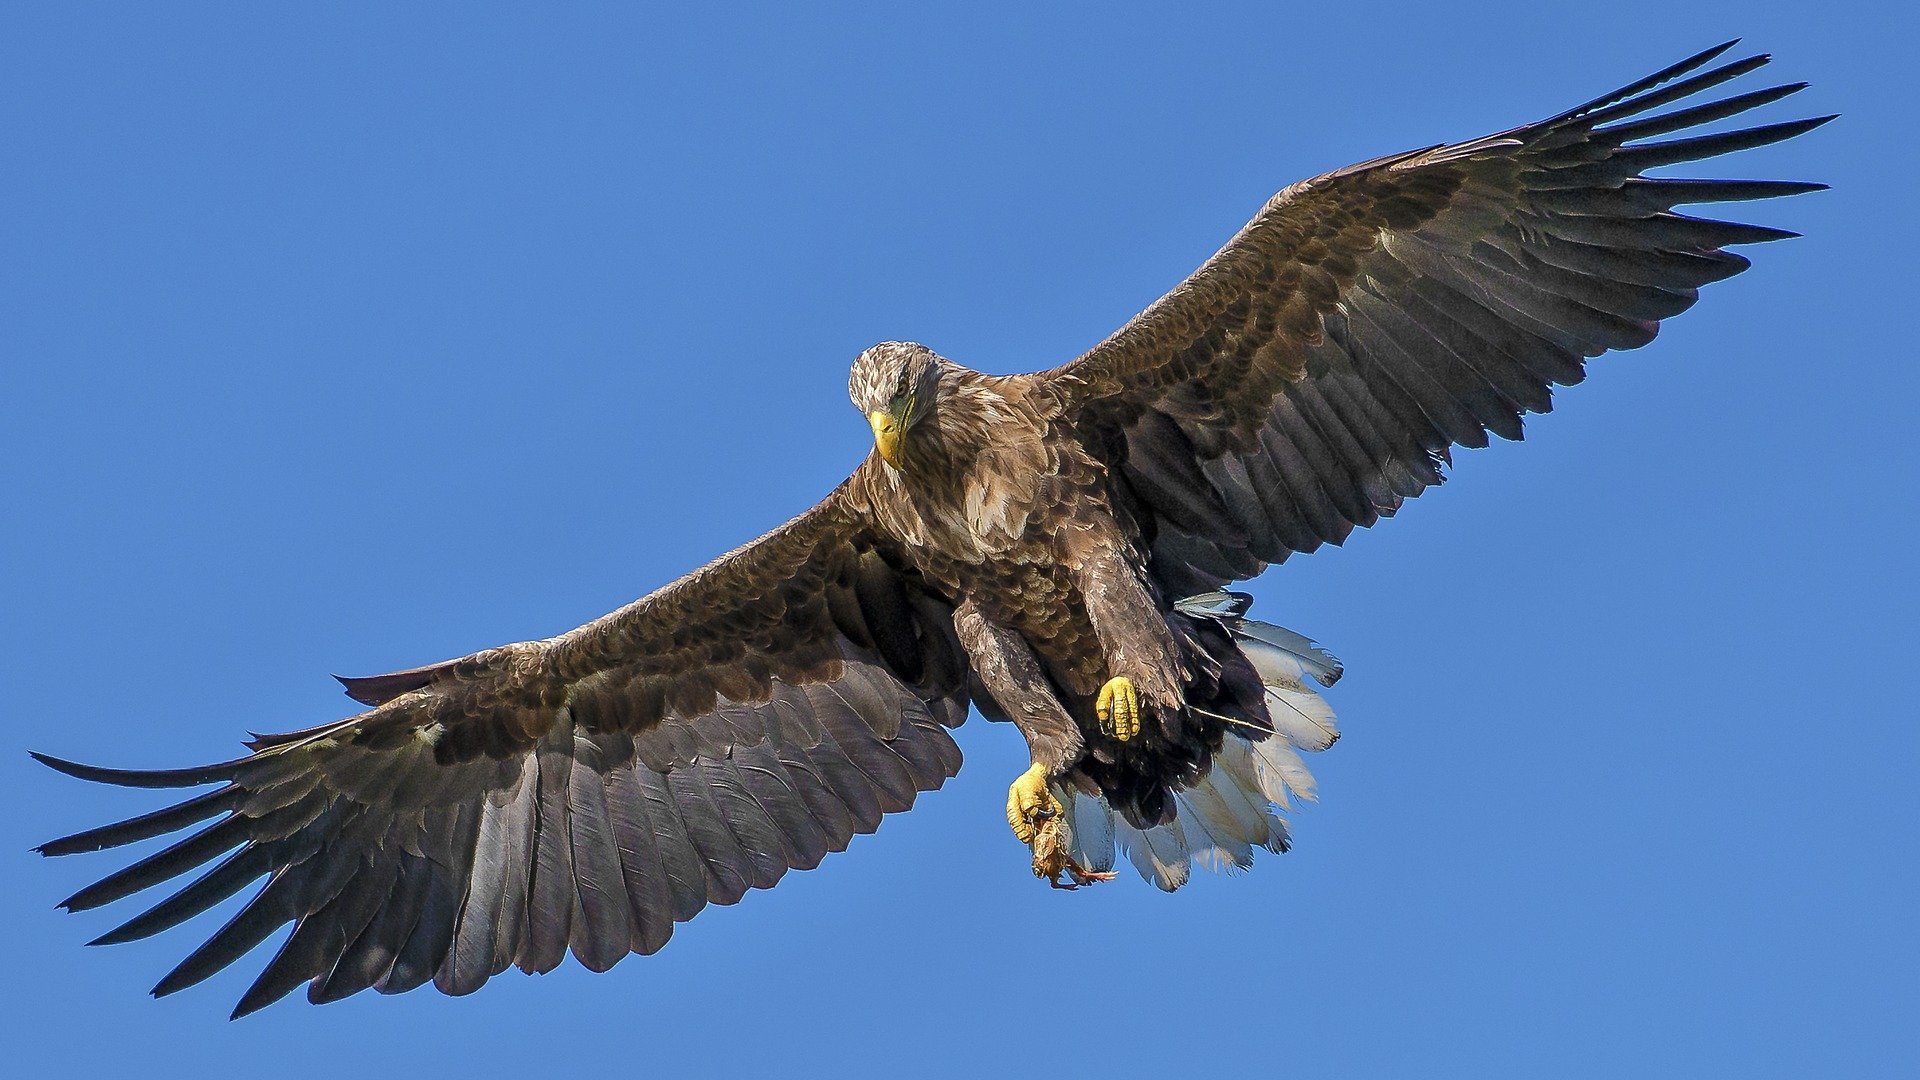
{"x": 1284, "y": 661}
{"x": 1303, "y": 717}
{"x": 1217, "y": 823}
{"x": 1159, "y": 853}
{"x": 1222, "y": 842}
{"x": 1281, "y": 773}
{"x": 1237, "y": 786}
{"x": 1090, "y": 832}
{"x": 1302, "y": 651}
{"x": 1219, "y": 820}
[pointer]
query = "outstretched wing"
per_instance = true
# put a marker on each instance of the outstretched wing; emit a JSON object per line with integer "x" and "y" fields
{"x": 585, "y": 792}
{"x": 1318, "y": 369}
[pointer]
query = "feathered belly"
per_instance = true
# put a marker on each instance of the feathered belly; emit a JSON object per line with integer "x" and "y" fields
{"x": 1041, "y": 601}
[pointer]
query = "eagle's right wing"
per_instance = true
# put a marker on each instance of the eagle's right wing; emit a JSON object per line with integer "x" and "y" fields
{"x": 585, "y": 792}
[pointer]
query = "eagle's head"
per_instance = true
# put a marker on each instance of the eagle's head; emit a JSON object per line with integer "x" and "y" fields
{"x": 894, "y": 384}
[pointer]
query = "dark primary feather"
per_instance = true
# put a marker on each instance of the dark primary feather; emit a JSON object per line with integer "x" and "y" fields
{"x": 1318, "y": 370}
{"x": 581, "y": 794}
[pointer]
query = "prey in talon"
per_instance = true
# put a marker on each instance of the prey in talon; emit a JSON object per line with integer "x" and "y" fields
{"x": 1039, "y": 821}
{"x": 1053, "y": 854}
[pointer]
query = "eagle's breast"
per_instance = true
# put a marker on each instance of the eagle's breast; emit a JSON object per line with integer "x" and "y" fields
{"x": 983, "y": 480}
{"x": 1003, "y": 515}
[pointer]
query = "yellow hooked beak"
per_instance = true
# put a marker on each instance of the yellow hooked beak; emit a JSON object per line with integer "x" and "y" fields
{"x": 886, "y": 435}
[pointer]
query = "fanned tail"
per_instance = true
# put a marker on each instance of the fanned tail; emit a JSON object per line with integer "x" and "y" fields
{"x": 1236, "y": 807}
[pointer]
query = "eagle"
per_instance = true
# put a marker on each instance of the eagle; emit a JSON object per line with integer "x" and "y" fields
{"x": 1051, "y": 549}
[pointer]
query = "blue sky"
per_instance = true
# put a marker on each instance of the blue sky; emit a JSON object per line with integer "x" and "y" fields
{"x": 347, "y": 341}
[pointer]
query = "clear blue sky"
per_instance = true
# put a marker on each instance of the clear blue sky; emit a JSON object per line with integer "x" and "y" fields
{"x": 347, "y": 341}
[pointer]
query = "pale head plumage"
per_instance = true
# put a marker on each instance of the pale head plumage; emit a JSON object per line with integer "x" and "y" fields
{"x": 892, "y": 374}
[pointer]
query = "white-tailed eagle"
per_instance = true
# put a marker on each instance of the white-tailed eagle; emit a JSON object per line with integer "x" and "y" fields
{"x": 1051, "y": 548}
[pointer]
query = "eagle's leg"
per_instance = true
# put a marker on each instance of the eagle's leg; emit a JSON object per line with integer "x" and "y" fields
{"x": 1030, "y": 806}
{"x": 1012, "y": 674}
{"x": 1119, "y": 708}
{"x": 1142, "y": 655}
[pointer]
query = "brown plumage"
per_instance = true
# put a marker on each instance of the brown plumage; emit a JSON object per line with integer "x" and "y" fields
{"x": 1020, "y": 543}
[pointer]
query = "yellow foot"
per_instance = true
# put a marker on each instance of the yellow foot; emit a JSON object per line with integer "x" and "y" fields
{"x": 1119, "y": 708}
{"x": 1030, "y": 804}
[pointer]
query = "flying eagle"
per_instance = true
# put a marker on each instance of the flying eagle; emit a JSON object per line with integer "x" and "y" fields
{"x": 1051, "y": 549}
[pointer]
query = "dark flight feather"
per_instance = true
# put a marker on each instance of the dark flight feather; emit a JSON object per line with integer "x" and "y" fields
{"x": 1440, "y": 292}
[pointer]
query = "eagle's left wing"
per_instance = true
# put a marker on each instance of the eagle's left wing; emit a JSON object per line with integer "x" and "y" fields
{"x": 583, "y": 792}
{"x": 1318, "y": 369}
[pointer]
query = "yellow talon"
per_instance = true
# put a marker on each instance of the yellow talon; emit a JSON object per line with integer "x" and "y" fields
{"x": 1119, "y": 708}
{"x": 1029, "y": 803}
